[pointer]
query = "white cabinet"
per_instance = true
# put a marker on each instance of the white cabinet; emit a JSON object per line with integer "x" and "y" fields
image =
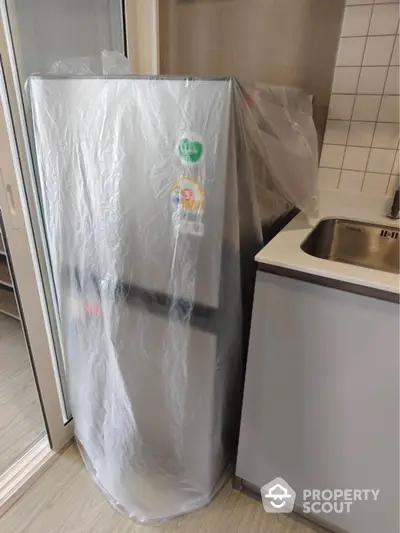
{"x": 321, "y": 402}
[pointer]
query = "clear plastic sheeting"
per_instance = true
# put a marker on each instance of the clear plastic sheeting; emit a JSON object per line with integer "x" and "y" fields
{"x": 109, "y": 62}
{"x": 154, "y": 193}
{"x": 280, "y": 135}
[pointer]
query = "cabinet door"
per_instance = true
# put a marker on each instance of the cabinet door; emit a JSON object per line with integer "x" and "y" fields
{"x": 321, "y": 400}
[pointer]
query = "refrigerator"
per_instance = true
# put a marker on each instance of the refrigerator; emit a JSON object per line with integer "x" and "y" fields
{"x": 139, "y": 188}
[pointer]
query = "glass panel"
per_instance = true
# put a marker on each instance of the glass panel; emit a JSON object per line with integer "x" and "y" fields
{"x": 43, "y": 32}
{"x": 21, "y": 420}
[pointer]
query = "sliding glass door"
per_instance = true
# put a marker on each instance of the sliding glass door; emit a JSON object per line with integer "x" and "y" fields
{"x": 34, "y": 35}
{"x": 30, "y": 341}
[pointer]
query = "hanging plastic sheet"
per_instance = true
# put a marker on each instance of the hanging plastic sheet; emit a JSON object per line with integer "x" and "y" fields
{"x": 154, "y": 193}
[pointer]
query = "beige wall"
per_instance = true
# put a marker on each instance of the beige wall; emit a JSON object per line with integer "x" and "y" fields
{"x": 291, "y": 42}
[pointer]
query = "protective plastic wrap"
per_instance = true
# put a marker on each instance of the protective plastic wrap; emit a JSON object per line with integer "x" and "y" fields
{"x": 154, "y": 192}
{"x": 281, "y": 147}
{"x": 108, "y": 63}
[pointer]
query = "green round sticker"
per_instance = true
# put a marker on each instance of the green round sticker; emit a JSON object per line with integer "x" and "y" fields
{"x": 190, "y": 151}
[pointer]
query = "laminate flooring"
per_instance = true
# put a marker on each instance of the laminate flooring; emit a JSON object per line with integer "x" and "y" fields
{"x": 21, "y": 421}
{"x": 65, "y": 500}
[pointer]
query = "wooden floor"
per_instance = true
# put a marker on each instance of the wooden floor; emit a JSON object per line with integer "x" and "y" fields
{"x": 21, "y": 422}
{"x": 65, "y": 500}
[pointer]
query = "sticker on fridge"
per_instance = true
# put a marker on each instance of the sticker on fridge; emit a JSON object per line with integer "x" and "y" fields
{"x": 188, "y": 203}
{"x": 190, "y": 148}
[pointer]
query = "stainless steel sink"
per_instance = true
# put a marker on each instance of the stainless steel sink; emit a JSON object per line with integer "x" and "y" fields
{"x": 356, "y": 243}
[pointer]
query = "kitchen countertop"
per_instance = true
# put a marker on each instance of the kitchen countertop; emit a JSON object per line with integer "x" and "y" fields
{"x": 284, "y": 251}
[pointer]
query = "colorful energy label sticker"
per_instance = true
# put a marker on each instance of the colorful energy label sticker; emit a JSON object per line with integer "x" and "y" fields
{"x": 188, "y": 203}
{"x": 188, "y": 194}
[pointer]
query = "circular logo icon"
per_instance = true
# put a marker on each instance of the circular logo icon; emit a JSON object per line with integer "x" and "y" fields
{"x": 190, "y": 148}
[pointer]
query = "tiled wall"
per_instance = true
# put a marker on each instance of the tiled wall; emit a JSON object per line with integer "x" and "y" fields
{"x": 361, "y": 144}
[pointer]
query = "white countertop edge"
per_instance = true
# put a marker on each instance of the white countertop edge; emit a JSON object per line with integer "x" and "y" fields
{"x": 285, "y": 249}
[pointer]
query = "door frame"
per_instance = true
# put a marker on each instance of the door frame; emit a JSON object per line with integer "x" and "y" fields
{"x": 25, "y": 266}
{"x": 142, "y": 33}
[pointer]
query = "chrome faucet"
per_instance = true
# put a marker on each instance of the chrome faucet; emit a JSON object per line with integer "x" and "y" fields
{"x": 395, "y": 209}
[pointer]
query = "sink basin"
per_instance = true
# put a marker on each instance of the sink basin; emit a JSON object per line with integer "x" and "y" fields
{"x": 355, "y": 243}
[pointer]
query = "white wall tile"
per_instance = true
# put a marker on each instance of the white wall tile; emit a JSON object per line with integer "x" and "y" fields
{"x": 341, "y": 106}
{"x": 384, "y": 20}
{"x": 361, "y": 133}
{"x": 386, "y": 135}
{"x": 381, "y": 161}
{"x": 356, "y": 21}
{"x": 351, "y": 181}
{"x": 332, "y": 156}
{"x": 336, "y": 131}
{"x": 350, "y": 52}
{"x": 395, "y": 55}
{"x": 328, "y": 178}
{"x": 372, "y": 80}
{"x": 366, "y": 107}
{"x": 355, "y": 158}
{"x": 389, "y": 111}
{"x": 345, "y": 80}
{"x": 378, "y": 50}
{"x": 393, "y": 83}
{"x": 394, "y": 183}
{"x": 375, "y": 183}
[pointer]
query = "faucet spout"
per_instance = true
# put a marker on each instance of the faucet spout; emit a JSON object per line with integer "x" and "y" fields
{"x": 395, "y": 209}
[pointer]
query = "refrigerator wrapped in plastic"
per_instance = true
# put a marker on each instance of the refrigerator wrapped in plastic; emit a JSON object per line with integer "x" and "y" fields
{"x": 152, "y": 214}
